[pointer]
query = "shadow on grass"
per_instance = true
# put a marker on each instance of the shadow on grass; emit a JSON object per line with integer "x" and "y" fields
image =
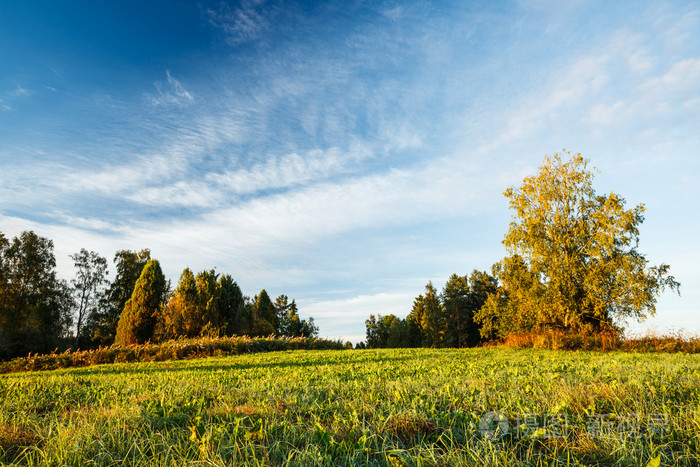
{"x": 215, "y": 364}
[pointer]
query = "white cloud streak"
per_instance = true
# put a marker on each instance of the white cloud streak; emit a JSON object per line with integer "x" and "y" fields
{"x": 241, "y": 24}
{"x": 170, "y": 93}
{"x": 290, "y": 170}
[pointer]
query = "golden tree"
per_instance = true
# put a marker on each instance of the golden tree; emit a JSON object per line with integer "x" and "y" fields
{"x": 572, "y": 257}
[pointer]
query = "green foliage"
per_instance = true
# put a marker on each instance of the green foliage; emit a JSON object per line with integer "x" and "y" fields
{"x": 386, "y": 332}
{"x": 340, "y": 407}
{"x": 289, "y": 324}
{"x": 91, "y": 275}
{"x": 34, "y": 305}
{"x": 262, "y": 327}
{"x": 287, "y": 316}
{"x": 462, "y": 298}
{"x": 208, "y": 300}
{"x": 103, "y": 323}
{"x": 142, "y": 312}
{"x": 231, "y": 304}
{"x": 497, "y": 317}
{"x": 207, "y": 304}
{"x": 573, "y": 261}
{"x": 433, "y": 321}
{"x": 458, "y": 322}
{"x": 181, "y": 316}
{"x": 436, "y": 320}
{"x": 264, "y": 314}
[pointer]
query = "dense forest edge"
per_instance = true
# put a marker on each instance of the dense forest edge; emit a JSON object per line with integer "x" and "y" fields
{"x": 42, "y": 314}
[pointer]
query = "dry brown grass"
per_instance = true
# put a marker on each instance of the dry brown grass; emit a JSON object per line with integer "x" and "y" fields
{"x": 226, "y": 410}
{"x": 409, "y": 426}
{"x": 674, "y": 341}
{"x": 15, "y": 440}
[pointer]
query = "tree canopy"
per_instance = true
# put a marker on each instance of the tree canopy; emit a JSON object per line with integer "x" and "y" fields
{"x": 573, "y": 261}
{"x": 141, "y": 313}
{"x": 35, "y": 305}
{"x": 91, "y": 275}
{"x": 37, "y": 309}
{"x": 437, "y": 319}
{"x": 102, "y": 325}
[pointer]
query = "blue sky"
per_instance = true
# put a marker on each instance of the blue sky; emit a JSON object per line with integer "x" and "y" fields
{"x": 342, "y": 153}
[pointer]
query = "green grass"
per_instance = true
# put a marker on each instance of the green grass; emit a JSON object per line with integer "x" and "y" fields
{"x": 373, "y": 407}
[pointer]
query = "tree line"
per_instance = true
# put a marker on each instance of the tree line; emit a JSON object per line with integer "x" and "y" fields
{"x": 437, "y": 319}
{"x": 39, "y": 312}
{"x": 572, "y": 266}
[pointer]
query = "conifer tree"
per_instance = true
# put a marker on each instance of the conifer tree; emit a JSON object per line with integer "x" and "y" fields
{"x": 103, "y": 323}
{"x": 231, "y": 304}
{"x": 264, "y": 314}
{"x": 142, "y": 312}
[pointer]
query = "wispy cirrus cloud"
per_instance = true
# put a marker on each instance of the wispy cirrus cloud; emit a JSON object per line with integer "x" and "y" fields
{"x": 674, "y": 92}
{"x": 20, "y": 91}
{"x": 169, "y": 93}
{"x": 291, "y": 170}
{"x": 240, "y": 24}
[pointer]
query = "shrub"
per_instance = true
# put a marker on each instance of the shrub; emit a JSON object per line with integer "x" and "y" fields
{"x": 169, "y": 350}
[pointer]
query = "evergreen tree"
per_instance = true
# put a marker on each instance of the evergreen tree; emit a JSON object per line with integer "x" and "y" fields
{"x": 285, "y": 316}
{"x": 414, "y": 321}
{"x": 458, "y": 321}
{"x": 264, "y": 315}
{"x": 386, "y": 332}
{"x": 231, "y": 305}
{"x": 481, "y": 287}
{"x": 308, "y": 327}
{"x": 208, "y": 303}
{"x": 142, "y": 312}
{"x": 179, "y": 316}
{"x": 103, "y": 323}
{"x": 433, "y": 318}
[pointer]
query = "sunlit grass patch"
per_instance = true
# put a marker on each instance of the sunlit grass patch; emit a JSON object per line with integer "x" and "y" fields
{"x": 373, "y": 407}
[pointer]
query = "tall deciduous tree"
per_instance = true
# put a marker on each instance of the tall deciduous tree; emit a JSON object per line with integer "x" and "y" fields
{"x": 573, "y": 254}
{"x": 91, "y": 275}
{"x": 34, "y": 305}
{"x": 142, "y": 312}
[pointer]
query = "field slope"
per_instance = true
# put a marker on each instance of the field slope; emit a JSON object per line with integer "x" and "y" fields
{"x": 374, "y": 407}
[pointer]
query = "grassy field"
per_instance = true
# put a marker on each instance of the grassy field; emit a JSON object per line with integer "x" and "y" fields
{"x": 371, "y": 407}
